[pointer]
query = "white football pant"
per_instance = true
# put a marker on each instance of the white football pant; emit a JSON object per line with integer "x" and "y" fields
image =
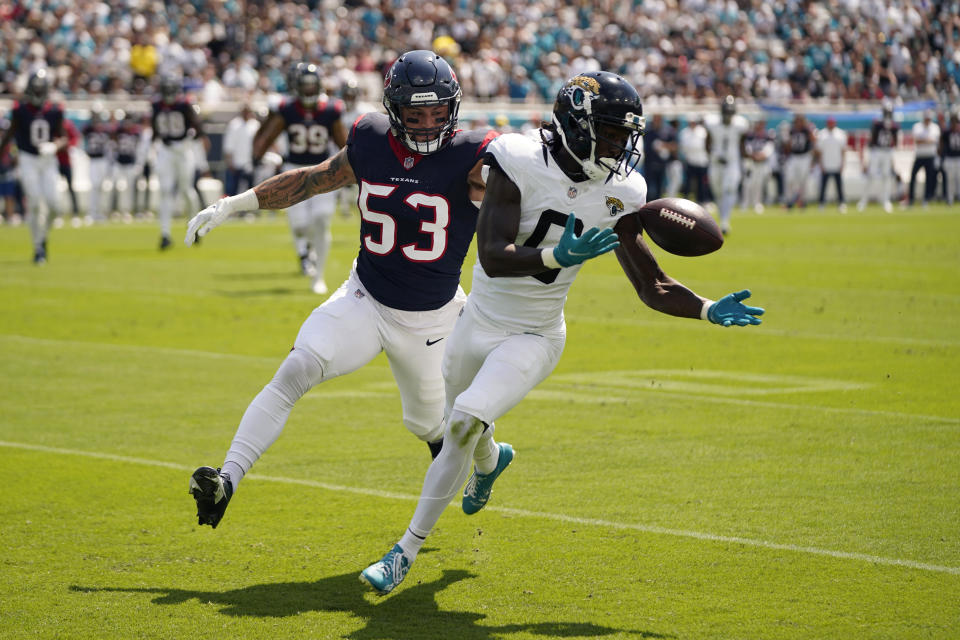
{"x": 879, "y": 177}
{"x": 99, "y": 170}
{"x": 951, "y": 167}
{"x": 796, "y": 171}
{"x": 310, "y": 226}
{"x": 176, "y": 169}
{"x": 487, "y": 372}
{"x": 724, "y": 182}
{"x": 344, "y": 333}
{"x": 40, "y": 178}
{"x": 754, "y": 183}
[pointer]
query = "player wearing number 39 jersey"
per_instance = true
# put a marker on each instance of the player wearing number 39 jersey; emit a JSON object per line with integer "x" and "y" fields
{"x": 419, "y": 179}
{"x": 310, "y": 122}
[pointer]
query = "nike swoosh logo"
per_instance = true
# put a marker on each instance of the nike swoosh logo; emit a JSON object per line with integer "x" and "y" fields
{"x": 574, "y": 253}
{"x": 432, "y": 342}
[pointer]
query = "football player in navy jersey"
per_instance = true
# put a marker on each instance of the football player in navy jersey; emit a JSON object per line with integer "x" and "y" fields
{"x": 420, "y": 185}
{"x": 541, "y": 195}
{"x": 98, "y": 139}
{"x": 175, "y": 124}
{"x": 310, "y": 121}
{"x": 797, "y": 169}
{"x": 884, "y": 137}
{"x": 37, "y": 127}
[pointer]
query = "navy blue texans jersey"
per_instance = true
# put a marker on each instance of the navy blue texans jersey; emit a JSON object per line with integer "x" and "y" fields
{"x": 883, "y": 135}
{"x": 754, "y": 142}
{"x": 97, "y": 137}
{"x": 801, "y": 141}
{"x": 35, "y": 125}
{"x": 308, "y": 130}
{"x": 172, "y": 122}
{"x": 417, "y": 220}
{"x": 128, "y": 139}
{"x": 950, "y": 143}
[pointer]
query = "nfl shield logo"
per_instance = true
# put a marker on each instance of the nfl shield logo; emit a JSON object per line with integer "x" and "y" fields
{"x": 572, "y": 192}
{"x": 408, "y": 162}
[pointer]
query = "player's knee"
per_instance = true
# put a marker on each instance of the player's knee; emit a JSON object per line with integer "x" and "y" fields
{"x": 464, "y": 428}
{"x": 299, "y": 372}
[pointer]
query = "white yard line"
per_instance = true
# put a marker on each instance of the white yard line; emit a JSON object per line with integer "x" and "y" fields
{"x": 523, "y": 513}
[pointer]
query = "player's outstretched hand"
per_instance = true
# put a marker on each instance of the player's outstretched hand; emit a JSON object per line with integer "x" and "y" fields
{"x": 730, "y": 310}
{"x": 205, "y": 221}
{"x": 573, "y": 250}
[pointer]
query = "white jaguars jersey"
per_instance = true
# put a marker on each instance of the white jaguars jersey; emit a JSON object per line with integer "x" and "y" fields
{"x": 528, "y": 303}
{"x": 725, "y": 138}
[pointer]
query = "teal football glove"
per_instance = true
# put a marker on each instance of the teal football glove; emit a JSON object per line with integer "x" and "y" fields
{"x": 573, "y": 250}
{"x": 729, "y": 310}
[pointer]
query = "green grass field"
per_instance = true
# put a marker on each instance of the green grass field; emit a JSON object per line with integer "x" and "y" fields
{"x": 674, "y": 479}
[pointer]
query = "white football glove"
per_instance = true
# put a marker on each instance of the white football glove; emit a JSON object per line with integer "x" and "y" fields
{"x": 47, "y": 148}
{"x": 214, "y": 215}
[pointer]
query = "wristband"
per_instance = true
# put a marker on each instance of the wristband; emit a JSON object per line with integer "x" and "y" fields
{"x": 246, "y": 201}
{"x": 705, "y": 309}
{"x": 549, "y": 260}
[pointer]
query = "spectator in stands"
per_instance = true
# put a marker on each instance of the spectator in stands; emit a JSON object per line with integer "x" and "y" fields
{"x": 926, "y": 138}
{"x": 829, "y": 154}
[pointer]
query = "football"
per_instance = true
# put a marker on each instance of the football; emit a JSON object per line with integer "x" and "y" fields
{"x": 682, "y": 227}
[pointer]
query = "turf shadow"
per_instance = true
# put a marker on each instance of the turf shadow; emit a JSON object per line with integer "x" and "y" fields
{"x": 408, "y": 613}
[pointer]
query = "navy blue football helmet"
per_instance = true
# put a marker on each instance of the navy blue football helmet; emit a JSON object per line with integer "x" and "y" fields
{"x": 421, "y": 79}
{"x": 38, "y": 87}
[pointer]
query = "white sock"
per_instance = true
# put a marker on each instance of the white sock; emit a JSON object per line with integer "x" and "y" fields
{"x": 233, "y": 471}
{"x": 445, "y": 476}
{"x": 487, "y": 453}
{"x": 411, "y": 543}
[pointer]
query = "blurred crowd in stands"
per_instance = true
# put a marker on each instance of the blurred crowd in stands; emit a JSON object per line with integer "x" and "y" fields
{"x": 839, "y": 50}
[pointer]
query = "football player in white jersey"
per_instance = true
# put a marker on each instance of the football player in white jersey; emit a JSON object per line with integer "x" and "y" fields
{"x": 725, "y": 144}
{"x": 540, "y": 196}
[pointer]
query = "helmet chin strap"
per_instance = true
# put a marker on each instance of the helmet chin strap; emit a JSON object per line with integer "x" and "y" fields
{"x": 592, "y": 169}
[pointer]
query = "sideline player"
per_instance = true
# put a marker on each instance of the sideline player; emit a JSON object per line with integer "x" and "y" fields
{"x": 759, "y": 148}
{"x": 797, "y": 168}
{"x": 37, "y": 127}
{"x": 310, "y": 120}
{"x": 175, "y": 124}
{"x": 420, "y": 185}
{"x": 512, "y": 331}
{"x": 884, "y": 134}
{"x": 354, "y": 106}
{"x": 98, "y": 140}
{"x": 950, "y": 156}
{"x": 725, "y": 145}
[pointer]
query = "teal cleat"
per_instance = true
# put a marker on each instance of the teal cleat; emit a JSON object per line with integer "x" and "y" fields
{"x": 385, "y": 575}
{"x": 477, "y": 492}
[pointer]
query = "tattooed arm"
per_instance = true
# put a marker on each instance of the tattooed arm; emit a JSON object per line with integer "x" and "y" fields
{"x": 296, "y": 185}
{"x": 279, "y": 192}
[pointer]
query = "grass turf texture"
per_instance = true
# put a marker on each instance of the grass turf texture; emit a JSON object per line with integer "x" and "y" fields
{"x": 674, "y": 479}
